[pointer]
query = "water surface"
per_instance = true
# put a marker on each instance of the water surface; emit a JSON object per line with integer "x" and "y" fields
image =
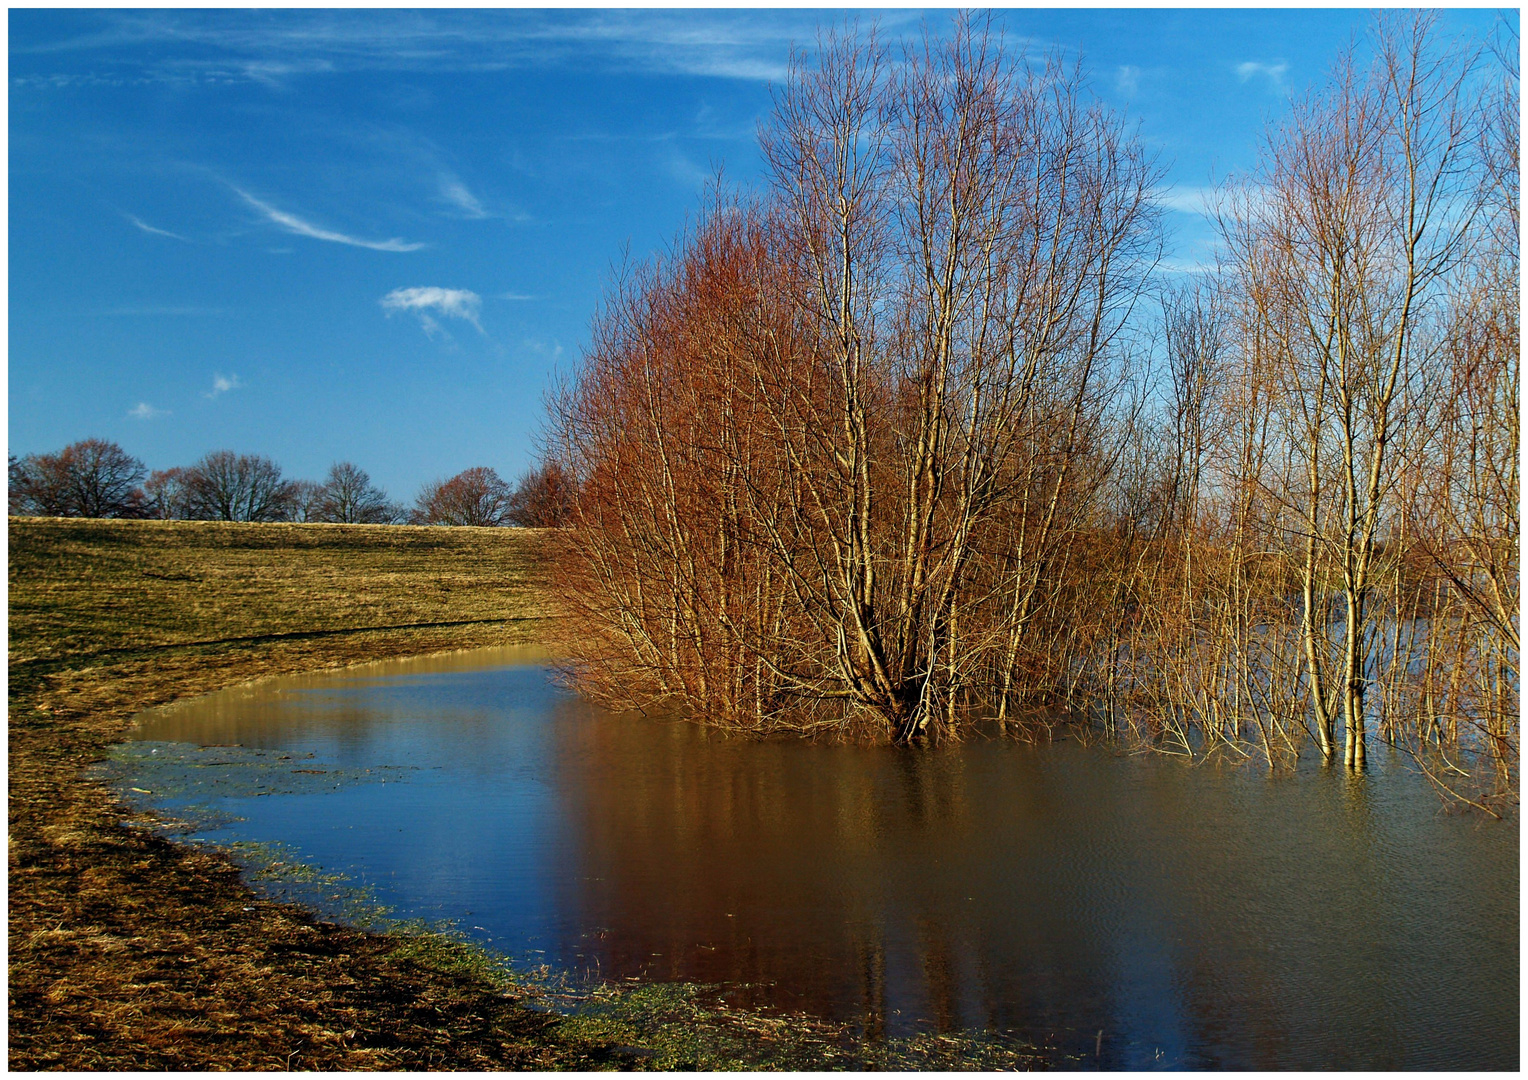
{"x": 1194, "y": 916}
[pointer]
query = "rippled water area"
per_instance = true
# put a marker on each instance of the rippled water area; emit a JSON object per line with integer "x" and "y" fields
{"x": 1131, "y": 910}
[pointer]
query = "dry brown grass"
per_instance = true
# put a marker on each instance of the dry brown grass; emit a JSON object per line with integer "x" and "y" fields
{"x": 127, "y": 951}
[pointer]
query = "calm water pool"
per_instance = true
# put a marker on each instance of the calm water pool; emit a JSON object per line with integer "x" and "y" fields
{"x": 1195, "y": 917}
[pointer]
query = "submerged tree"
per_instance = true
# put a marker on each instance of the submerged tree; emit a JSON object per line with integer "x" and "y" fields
{"x": 896, "y": 442}
{"x": 831, "y": 459}
{"x": 1347, "y": 256}
{"x": 1355, "y": 572}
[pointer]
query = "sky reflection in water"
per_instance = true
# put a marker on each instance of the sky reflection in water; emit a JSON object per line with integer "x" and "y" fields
{"x": 1196, "y": 916}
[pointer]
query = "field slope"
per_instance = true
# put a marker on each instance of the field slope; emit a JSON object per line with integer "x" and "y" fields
{"x": 127, "y": 951}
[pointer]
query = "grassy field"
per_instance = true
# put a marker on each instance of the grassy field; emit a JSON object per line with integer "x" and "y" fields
{"x": 128, "y": 951}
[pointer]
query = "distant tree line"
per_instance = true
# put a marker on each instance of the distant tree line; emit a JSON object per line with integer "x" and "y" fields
{"x": 95, "y": 478}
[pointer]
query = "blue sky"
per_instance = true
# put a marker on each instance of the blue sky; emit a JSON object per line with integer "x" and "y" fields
{"x": 374, "y": 235}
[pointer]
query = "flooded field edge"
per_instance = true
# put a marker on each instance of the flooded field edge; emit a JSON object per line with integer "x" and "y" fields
{"x": 197, "y": 775}
{"x": 663, "y": 1025}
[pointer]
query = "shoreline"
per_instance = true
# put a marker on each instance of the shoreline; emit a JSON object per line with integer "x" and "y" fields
{"x": 129, "y": 950}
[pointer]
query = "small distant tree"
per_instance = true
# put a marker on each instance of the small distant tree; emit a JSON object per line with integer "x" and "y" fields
{"x": 475, "y": 496}
{"x": 16, "y": 485}
{"x": 304, "y": 501}
{"x": 167, "y": 494}
{"x": 225, "y": 486}
{"x": 349, "y": 496}
{"x": 543, "y": 498}
{"x": 92, "y": 478}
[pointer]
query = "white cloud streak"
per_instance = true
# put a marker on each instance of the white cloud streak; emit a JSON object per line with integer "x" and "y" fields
{"x": 222, "y": 384}
{"x": 685, "y": 173}
{"x": 252, "y": 46}
{"x": 159, "y": 310}
{"x": 294, "y": 224}
{"x": 1183, "y": 266}
{"x": 541, "y": 348}
{"x": 1127, "y": 79}
{"x": 1273, "y": 72}
{"x": 146, "y": 227}
{"x": 421, "y": 301}
{"x": 1205, "y": 200}
{"x": 1185, "y": 200}
{"x": 144, "y": 411}
{"x": 455, "y": 192}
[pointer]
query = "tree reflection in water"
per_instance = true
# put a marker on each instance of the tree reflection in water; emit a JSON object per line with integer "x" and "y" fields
{"x": 1205, "y": 916}
{"x": 1195, "y": 917}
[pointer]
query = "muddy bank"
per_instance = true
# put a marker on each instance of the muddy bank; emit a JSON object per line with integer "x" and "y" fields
{"x": 128, "y": 951}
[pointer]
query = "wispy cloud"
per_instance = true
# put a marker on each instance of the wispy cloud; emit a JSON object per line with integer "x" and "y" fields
{"x": 1127, "y": 79}
{"x": 1185, "y": 266}
{"x": 144, "y": 411}
{"x": 275, "y": 73}
{"x": 1273, "y": 71}
{"x": 166, "y": 310}
{"x": 550, "y": 350}
{"x": 294, "y": 224}
{"x": 146, "y": 227}
{"x": 518, "y": 296}
{"x": 1205, "y": 201}
{"x": 1185, "y": 200}
{"x": 448, "y": 303}
{"x": 254, "y": 47}
{"x": 222, "y": 384}
{"x": 455, "y": 192}
{"x": 683, "y": 170}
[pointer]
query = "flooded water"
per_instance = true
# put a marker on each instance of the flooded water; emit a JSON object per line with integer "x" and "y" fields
{"x": 1130, "y": 909}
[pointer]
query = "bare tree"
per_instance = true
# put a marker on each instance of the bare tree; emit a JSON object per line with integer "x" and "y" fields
{"x": 225, "y": 486}
{"x": 474, "y": 496}
{"x": 832, "y": 460}
{"x": 16, "y": 487}
{"x": 1363, "y": 211}
{"x": 972, "y": 235}
{"x": 348, "y": 495}
{"x": 168, "y": 494}
{"x": 91, "y": 478}
{"x": 880, "y": 450}
{"x": 542, "y": 498}
{"x": 304, "y": 501}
